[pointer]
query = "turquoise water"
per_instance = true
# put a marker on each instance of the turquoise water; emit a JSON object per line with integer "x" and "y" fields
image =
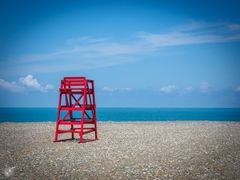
{"x": 126, "y": 114}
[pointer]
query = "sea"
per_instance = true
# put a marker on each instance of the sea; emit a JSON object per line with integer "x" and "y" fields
{"x": 126, "y": 114}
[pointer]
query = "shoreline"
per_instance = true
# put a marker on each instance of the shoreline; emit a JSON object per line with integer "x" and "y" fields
{"x": 127, "y": 150}
{"x": 131, "y": 121}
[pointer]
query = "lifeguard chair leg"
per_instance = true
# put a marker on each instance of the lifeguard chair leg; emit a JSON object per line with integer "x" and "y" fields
{"x": 81, "y": 134}
{"x": 94, "y": 112}
{"x": 83, "y": 112}
{"x": 82, "y": 123}
{"x": 96, "y": 136}
{"x": 72, "y": 129}
{"x": 71, "y": 116}
{"x": 95, "y": 125}
{"x": 58, "y": 116}
{"x": 56, "y": 133}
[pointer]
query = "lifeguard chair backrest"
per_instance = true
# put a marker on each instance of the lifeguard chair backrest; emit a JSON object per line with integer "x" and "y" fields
{"x": 73, "y": 83}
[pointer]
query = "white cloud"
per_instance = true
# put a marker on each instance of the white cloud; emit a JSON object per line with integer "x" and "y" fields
{"x": 186, "y": 90}
{"x": 10, "y": 86}
{"x": 189, "y": 89}
{"x": 49, "y": 86}
{"x": 109, "y": 89}
{"x": 237, "y": 88}
{"x": 29, "y": 81}
{"x": 85, "y": 39}
{"x": 204, "y": 86}
{"x": 25, "y": 83}
{"x": 168, "y": 88}
{"x": 125, "y": 89}
{"x": 96, "y": 52}
{"x": 234, "y": 27}
{"x": 194, "y": 33}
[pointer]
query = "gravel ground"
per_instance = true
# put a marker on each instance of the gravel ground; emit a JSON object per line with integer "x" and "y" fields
{"x": 146, "y": 150}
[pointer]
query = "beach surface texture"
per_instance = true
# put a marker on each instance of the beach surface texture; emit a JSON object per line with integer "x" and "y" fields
{"x": 125, "y": 150}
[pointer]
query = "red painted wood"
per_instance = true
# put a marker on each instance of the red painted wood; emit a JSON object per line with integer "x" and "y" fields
{"x": 76, "y": 95}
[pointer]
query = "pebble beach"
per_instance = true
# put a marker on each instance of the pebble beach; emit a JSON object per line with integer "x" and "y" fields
{"x": 125, "y": 150}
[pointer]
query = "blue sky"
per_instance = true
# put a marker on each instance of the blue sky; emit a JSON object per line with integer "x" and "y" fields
{"x": 140, "y": 53}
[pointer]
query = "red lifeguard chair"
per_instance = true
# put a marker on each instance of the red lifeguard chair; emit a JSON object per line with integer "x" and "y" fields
{"x": 76, "y": 108}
